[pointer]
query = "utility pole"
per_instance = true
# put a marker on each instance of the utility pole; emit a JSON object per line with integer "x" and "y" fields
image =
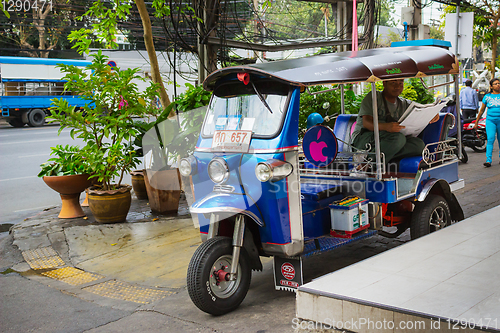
{"x": 417, "y": 19}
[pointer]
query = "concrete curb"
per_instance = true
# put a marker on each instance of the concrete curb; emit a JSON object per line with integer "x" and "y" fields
{"x": 47, "y": 259}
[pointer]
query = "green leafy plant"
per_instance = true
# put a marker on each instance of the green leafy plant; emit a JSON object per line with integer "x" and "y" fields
{"x": 165, "y": 137}
{"x": 106, "y": 123}
{"x": 316, "y": 103}
{"x": 68, "y": 160}
{"x": 413, "y": 90}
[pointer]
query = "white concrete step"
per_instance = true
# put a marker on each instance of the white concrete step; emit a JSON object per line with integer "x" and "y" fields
{"x": 449, "y": 280}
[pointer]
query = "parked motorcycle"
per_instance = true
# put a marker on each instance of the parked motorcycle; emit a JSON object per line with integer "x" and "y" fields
{"x": 475, "y": 139}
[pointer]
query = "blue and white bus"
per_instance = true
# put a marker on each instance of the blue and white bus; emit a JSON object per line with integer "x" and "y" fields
{"x": 27, "y": 86}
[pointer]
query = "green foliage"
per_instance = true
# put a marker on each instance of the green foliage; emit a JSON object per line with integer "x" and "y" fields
{"x": 104, "y": 24}
{"x": 413, "y": 90}
{"x": 327, "y": 103}
{"x": 423, "y": 96}
{"x": 106, "y": 123}
{"x": 68, "y": 160}
{"x": 176, "y": 140}
{"x": 436, "y": 33}
{"x": 194, "y": 97}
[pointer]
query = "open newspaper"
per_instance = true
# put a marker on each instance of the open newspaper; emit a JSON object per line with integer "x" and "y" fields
{"x": 417, "y": 116}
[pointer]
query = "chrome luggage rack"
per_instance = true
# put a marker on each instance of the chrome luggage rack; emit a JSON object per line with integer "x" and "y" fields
{"x": 439, "y": 152}
{"x": 357, "y": 163}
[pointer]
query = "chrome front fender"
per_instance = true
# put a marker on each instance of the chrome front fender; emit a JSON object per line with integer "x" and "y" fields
{"x": 229, "y": 203}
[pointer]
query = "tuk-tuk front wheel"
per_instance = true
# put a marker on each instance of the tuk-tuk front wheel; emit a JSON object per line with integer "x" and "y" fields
{"x": 208, "y": 282}
{"x": 430, "y": 215}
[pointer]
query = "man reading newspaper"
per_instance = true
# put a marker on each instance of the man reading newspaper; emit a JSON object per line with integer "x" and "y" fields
{"x": 393, "y": 143}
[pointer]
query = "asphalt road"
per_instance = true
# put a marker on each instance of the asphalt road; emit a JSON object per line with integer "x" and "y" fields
{"x": 22, "y": 150}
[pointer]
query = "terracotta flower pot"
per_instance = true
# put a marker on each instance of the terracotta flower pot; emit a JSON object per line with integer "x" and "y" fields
{"x": 110, "y": 206}
{"x": 69, "y": 187}
{"x": 139, "y": 185}
{"x": 93, "y": 181}
{"x": 164, "y": 190}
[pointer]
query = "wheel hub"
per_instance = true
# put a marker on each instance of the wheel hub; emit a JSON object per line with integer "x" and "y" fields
{"x": 221, "y": 275}
{"x": 220, "y": 280}
{"x": 437, "y": 219}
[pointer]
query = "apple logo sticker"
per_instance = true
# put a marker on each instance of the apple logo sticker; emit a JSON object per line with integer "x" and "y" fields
{"x": 316, "y": 139}
{"x": 316, "y": 149}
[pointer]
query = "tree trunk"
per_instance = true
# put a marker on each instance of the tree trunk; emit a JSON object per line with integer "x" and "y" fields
{"x": 150, "y": 47}
{"x": 39, "y": 17}
{"x": 494, "y": 44}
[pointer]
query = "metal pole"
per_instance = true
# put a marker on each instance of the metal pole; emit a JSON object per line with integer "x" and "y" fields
{"x": 457, "y": 86}
{"x": 342, "y": 101}
{"x": 458, "y": 30}
{"x": 458, "y": 121}
{"x": 376, "y": 131}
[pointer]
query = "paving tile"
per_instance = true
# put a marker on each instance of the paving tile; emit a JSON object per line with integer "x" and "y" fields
{"x": 346, "y": 280}
{"x": 484, "y": 314}
{"x": 447, "y": 300}
{"x": 440, "y": 267}
{"x": 481, "y": 246}
{"x": 394, "y": 290}
{"x": 481, "y": 223}
{"x": 481, "y": 275}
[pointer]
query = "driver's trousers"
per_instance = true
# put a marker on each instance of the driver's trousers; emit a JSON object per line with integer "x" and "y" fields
{"x": 394, "y": 145}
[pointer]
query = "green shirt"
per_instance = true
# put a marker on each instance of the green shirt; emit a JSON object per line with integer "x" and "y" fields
{"x": 366, "y": 109}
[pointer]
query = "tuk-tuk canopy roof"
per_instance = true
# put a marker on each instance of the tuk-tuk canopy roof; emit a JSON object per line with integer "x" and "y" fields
{"x": 347, "y": 67}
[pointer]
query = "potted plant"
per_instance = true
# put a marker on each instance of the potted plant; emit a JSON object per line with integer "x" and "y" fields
{"x": 166, "y": 140}
{"x": 106, "y": 125}
{"x": 68, "y": 174}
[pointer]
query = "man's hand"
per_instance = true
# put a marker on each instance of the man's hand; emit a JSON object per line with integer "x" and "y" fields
{"x": 475, "y": 125}
{"x": 393, "y": 127}
{"x": 433, "y": 120}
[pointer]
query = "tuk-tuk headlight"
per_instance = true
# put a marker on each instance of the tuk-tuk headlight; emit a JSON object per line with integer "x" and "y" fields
{"x": 188, "y": 166}
{"x": 263, "y": 172}
{"x": 218, "y": 170}
{"x": 273, "y": 170}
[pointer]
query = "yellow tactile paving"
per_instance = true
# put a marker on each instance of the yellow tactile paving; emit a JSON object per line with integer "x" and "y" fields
{"x": 120, "y": 290}
{"x": 73, "y": 276}
{"x": 39, "y": 253}
{"x": 62, "y": 273}
{"x": 83, "y": 278}
{"x": 43, "y": 258}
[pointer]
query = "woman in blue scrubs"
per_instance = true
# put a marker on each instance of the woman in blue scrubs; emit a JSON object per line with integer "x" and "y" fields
{"x": 492, "y": 102}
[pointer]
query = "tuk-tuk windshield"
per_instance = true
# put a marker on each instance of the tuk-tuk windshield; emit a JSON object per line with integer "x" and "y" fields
{"x": 245, "y": 113}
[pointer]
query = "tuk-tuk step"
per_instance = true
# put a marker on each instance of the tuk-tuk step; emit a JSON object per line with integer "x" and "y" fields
{"x": 327, "y": 243}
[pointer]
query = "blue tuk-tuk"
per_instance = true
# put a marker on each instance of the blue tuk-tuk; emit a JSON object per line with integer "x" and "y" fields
{"x": 260, "y": 191}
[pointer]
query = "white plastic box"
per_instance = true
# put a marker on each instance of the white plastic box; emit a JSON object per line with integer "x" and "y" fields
{"x": 349, "y": 214}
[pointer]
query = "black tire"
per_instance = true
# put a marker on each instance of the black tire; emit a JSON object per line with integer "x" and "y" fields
{"x": 465, "y": 157}
{"x": 430, "y": 215}
{"x": 16, "y": 122}
{"x": 202, "y": 283}
{"x": 36, "y": 118}
{"x": 482, "y": 147}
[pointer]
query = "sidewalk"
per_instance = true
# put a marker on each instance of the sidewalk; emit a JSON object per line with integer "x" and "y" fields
{"x": 74, "y": 275}
{"x": 92, "y": 253}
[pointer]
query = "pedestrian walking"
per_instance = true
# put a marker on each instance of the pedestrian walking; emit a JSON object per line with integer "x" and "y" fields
{"x": 469, "y": 103}
{"x": 492, "y": 102}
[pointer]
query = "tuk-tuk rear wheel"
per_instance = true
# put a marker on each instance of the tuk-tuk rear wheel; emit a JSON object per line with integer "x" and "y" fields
{"x": 206, "y": 286}
{"x": 430, "y": 215}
